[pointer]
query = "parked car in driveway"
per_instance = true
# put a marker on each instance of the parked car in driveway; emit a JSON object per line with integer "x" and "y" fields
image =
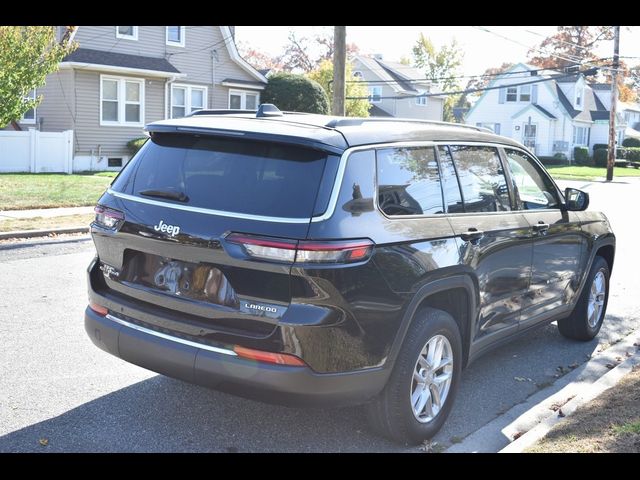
{"x": 307, "y": 259}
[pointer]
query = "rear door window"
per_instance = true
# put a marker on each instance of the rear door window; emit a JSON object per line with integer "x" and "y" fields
{"x": 409, "y": 181}
{"x": 482, "y": 178}
{"x": 232, "y": 175}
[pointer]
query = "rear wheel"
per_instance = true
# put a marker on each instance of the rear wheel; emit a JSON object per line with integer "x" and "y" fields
{"x": 585, "y": 321}
{"x": 420, "y": 392}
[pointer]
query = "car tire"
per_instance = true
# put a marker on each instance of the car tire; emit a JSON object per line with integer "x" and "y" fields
{"x": 586, "y": 319}
{"x": 392, "y": 412}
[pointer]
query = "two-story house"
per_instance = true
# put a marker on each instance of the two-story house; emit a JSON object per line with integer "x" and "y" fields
{"x": 550, "y": 117}
{"x": 631, "y": 113}
{"x": 397, "y": 90}
{"x": 123, "y": 77}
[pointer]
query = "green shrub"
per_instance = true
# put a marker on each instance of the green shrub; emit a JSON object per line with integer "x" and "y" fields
{"x": 581, "y": 156}
{"x": 600, "y": 157}
{"x": 631, "y": 142}
{"x": 555, "y": 160}
{"x": 295, "y": 93}
{"x": 136, "y": 144}
{"x": 631, "y": 154}
{"x": 598, "y": 146}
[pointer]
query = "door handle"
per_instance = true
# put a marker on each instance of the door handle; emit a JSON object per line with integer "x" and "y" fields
{"x": 472, "y": 235}
{"x": 541, "y": 227}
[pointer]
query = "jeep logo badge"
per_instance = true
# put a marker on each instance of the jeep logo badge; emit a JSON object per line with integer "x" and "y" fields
{"x": 172, "y": 230}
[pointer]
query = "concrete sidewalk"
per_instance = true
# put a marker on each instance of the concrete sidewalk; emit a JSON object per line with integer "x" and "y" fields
{"x": 44, "y": 212}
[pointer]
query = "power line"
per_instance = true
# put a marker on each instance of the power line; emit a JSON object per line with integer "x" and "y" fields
{"x": 589, "y": 72}
{"x": 484, "y": 75}
{"x": 560, "y": 40}
{"x": 575, "y": 60}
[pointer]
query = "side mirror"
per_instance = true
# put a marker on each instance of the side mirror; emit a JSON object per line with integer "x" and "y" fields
{"x": 576, "y": 200}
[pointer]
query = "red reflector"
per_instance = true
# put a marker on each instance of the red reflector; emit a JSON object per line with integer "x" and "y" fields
{"x": 268, "y": 357}
{"x": 358, "y": 253}
{"x": 99, "y": 309}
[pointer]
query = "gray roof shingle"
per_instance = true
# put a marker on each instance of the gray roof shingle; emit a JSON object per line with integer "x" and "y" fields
{"x": 591, "y": 110}
{"x": 544, "y": 111}
{"x": 376, "y": 111}
{"x": 140, "y": 62}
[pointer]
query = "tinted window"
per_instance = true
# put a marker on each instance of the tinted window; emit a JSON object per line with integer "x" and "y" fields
{"x": 408, "y": 181}
{"x": 450, "y": 185}
{"x": 482, "y": 179}
{"x": 533, "y": 189}
{"x": 241, "y": 176}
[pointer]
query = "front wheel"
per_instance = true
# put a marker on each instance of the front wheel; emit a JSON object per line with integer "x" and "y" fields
{"x": 585, "y": 321}
{"x": 420, "y": 392}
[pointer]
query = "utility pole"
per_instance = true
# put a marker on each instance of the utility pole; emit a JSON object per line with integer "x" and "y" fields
{"x": 611, "y": 160}
{"x": 339, "y": 69}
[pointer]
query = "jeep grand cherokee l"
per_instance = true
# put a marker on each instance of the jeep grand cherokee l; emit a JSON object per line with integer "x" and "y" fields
{"x": 307, "y": 259}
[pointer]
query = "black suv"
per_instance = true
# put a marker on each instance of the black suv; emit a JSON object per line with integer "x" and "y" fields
{"x": 307, "y": 259}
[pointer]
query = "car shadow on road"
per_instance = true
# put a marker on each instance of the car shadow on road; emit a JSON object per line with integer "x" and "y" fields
{"x": 166, "y": 415}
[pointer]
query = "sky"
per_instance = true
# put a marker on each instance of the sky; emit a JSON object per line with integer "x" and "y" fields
{"x": 482, "y": 49}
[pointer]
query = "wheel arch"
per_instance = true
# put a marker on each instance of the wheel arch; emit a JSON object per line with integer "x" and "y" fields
{"x": 440, "y": 294}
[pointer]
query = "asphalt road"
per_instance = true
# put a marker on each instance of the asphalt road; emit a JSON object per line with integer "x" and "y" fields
{"x": 57, "y": 389}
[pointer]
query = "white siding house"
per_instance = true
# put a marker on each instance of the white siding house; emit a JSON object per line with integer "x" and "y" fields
{"x": 549, "y": 117}
{"x": 123, "y": 77}
{"x": 397, "y": 90}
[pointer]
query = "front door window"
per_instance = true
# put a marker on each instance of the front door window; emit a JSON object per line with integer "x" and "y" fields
{"x": 529, "y": 135}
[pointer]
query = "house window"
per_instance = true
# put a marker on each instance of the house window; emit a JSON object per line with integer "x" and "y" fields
{"x": 422, "y": 101}
{"x": 175, "y": 36}
{"x": 578, "y": 97}
{"x": 186, "y": 99}
{"x": 494, "y": 127}
{"x": 121, "y": 101}
{"x": 512, "y": 94}
{"x": 580, "y": 135}
{"x": 525, "y": 93}
{"x": 243, "y": 100}
{"x": 114, "y": 162}
{"x": 30, "y": 115}
{"x": 375, "y": 94}
{"x": 129, "y": 33}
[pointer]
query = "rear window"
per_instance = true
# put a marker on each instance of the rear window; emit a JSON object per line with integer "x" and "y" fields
{"x": 232, "y": 175}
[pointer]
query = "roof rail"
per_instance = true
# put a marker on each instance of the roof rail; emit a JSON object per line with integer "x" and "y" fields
{"x": 225, "y": 111}
{"x": 345, "y": 122}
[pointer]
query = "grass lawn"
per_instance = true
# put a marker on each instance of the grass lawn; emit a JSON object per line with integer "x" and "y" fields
{"x": 589, "y": 173}
{"x": 20, "y": 191}
{"x": 609, "y": 423}
{"x": 42, "y": 223}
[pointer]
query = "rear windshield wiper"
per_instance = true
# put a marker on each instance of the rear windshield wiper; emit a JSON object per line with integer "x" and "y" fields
{"x": 179, "y": 196}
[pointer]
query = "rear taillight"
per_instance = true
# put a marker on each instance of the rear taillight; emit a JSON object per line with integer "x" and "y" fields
{"x": 293, "y": 251}
{"x": 108, "y": 217}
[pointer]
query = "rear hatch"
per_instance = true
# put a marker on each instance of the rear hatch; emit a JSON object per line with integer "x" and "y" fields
{"x": 162, "y": 231}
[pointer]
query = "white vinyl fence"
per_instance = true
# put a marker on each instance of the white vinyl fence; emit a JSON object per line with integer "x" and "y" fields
{"x": 34, "y": 151}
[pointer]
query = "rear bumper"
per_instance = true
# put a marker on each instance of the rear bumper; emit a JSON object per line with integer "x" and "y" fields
{"x": 219, "y": 368}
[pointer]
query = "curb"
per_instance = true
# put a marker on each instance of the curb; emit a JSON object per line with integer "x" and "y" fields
{"x": 604, "y": 383}
{"x": 499, "y": 433}
{"x": 42, "y": 233}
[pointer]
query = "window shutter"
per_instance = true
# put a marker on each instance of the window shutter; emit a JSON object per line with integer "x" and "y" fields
{"x": 534, "y": 93}
{"x": 503, "y": 94}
